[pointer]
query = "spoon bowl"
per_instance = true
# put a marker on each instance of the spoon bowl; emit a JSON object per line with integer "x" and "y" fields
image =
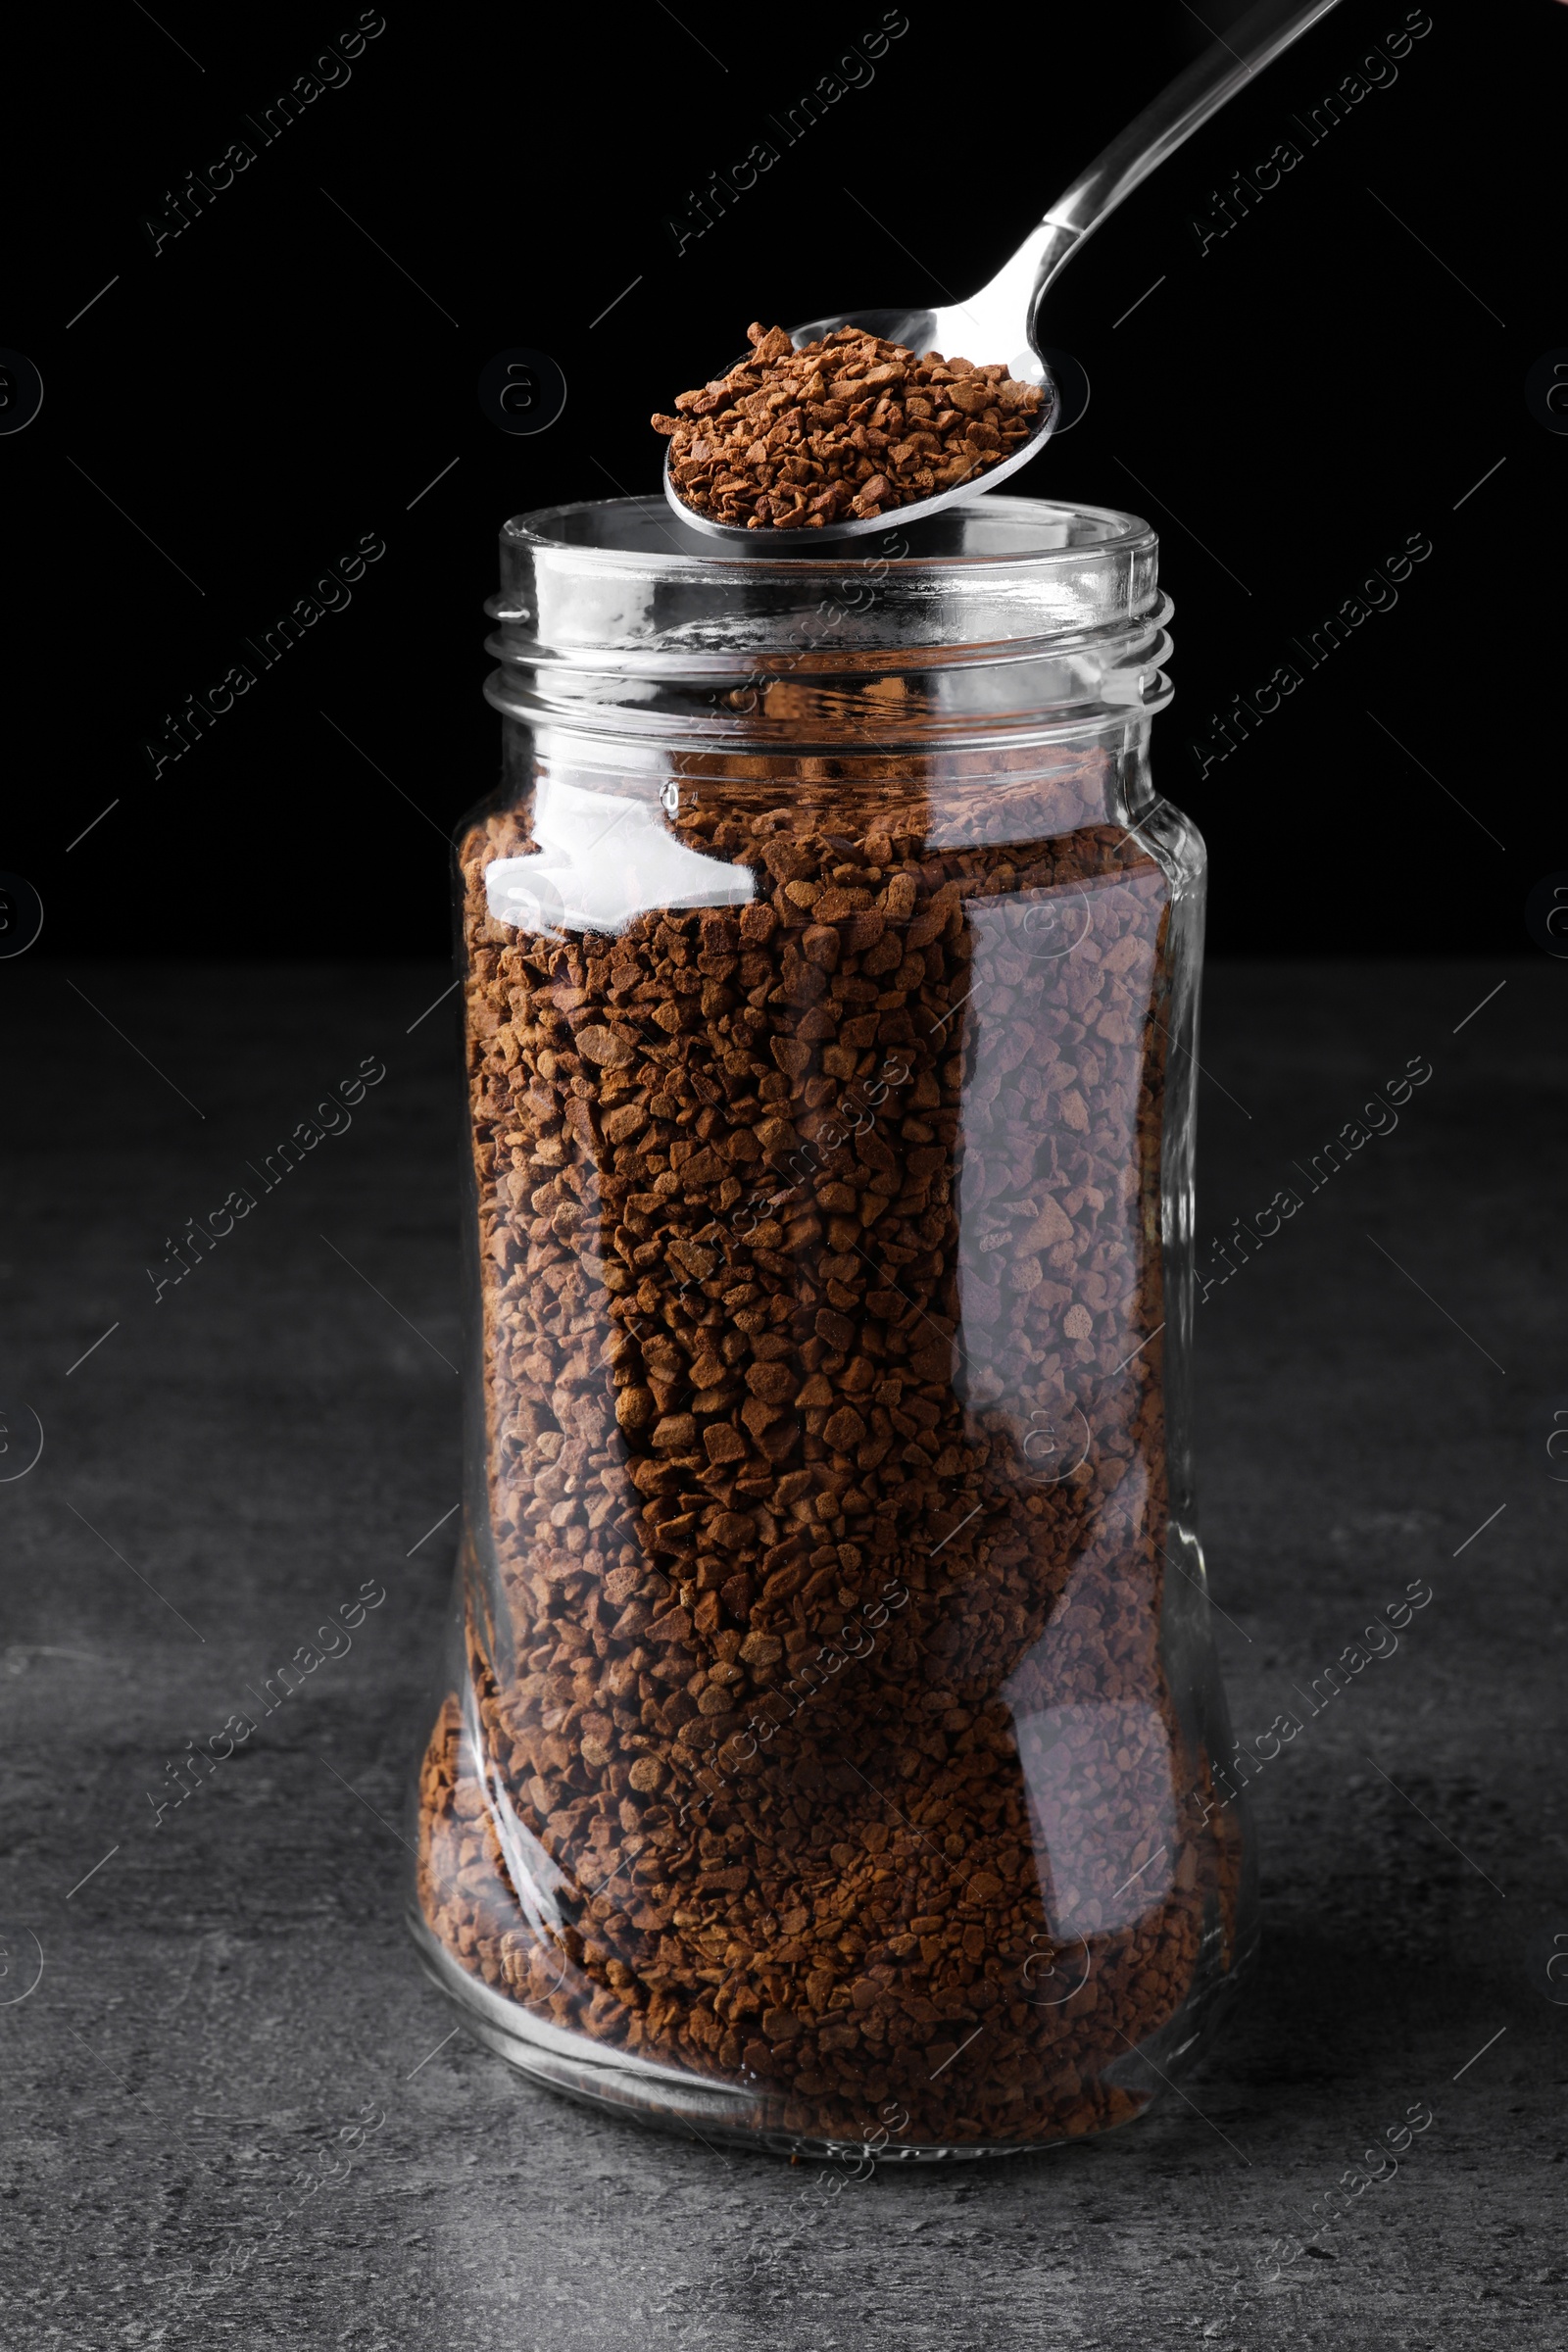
{"x": 1000, "y": 323}
{"x": 919, "y": 331}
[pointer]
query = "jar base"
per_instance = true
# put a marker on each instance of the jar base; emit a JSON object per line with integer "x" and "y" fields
{"x": 666, "y": 2098}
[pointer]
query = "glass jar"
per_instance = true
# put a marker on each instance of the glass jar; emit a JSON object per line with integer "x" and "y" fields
{"x": 830, "y": 1749}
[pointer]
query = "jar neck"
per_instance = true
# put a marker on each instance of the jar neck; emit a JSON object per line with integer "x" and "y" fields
{"x": 816, "y": 698}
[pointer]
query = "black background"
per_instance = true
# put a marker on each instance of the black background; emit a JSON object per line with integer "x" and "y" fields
{"x": 272, "y": 384}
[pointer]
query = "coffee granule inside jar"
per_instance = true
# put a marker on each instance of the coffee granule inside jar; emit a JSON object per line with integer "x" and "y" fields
{"x": 849, "y": 427}
{"x": 813, "y": 1704}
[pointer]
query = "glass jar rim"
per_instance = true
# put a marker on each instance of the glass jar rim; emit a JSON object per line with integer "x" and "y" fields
{"x": 625, "y": 576}
{"x": 981, "y": 530}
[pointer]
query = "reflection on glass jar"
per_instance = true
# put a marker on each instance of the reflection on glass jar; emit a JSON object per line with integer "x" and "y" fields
{"x": 824, "y": 1738}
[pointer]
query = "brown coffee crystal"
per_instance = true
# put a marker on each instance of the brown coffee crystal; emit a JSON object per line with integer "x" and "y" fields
{"x": 813, "y": 1720}
{"x": 849, "y": 427}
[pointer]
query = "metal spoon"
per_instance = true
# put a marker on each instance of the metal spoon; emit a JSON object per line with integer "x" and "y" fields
{"x": 1000, "y": 321}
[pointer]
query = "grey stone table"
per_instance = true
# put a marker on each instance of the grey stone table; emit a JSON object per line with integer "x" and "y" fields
{"x": 235, "y": 2114}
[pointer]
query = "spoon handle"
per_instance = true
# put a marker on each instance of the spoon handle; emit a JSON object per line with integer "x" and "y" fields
{"x": 1183, "y": 107}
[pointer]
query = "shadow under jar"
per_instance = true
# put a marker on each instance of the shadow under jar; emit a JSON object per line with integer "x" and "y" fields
{"x": 829, "y": 1740}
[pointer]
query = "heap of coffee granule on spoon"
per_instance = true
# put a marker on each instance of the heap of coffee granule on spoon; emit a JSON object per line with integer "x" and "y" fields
{"x": 790, "y": 440}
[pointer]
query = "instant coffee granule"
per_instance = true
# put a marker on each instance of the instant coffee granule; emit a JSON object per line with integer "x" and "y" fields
{"x": 850, "y": 426}
{"x": 818, "y": 1711}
